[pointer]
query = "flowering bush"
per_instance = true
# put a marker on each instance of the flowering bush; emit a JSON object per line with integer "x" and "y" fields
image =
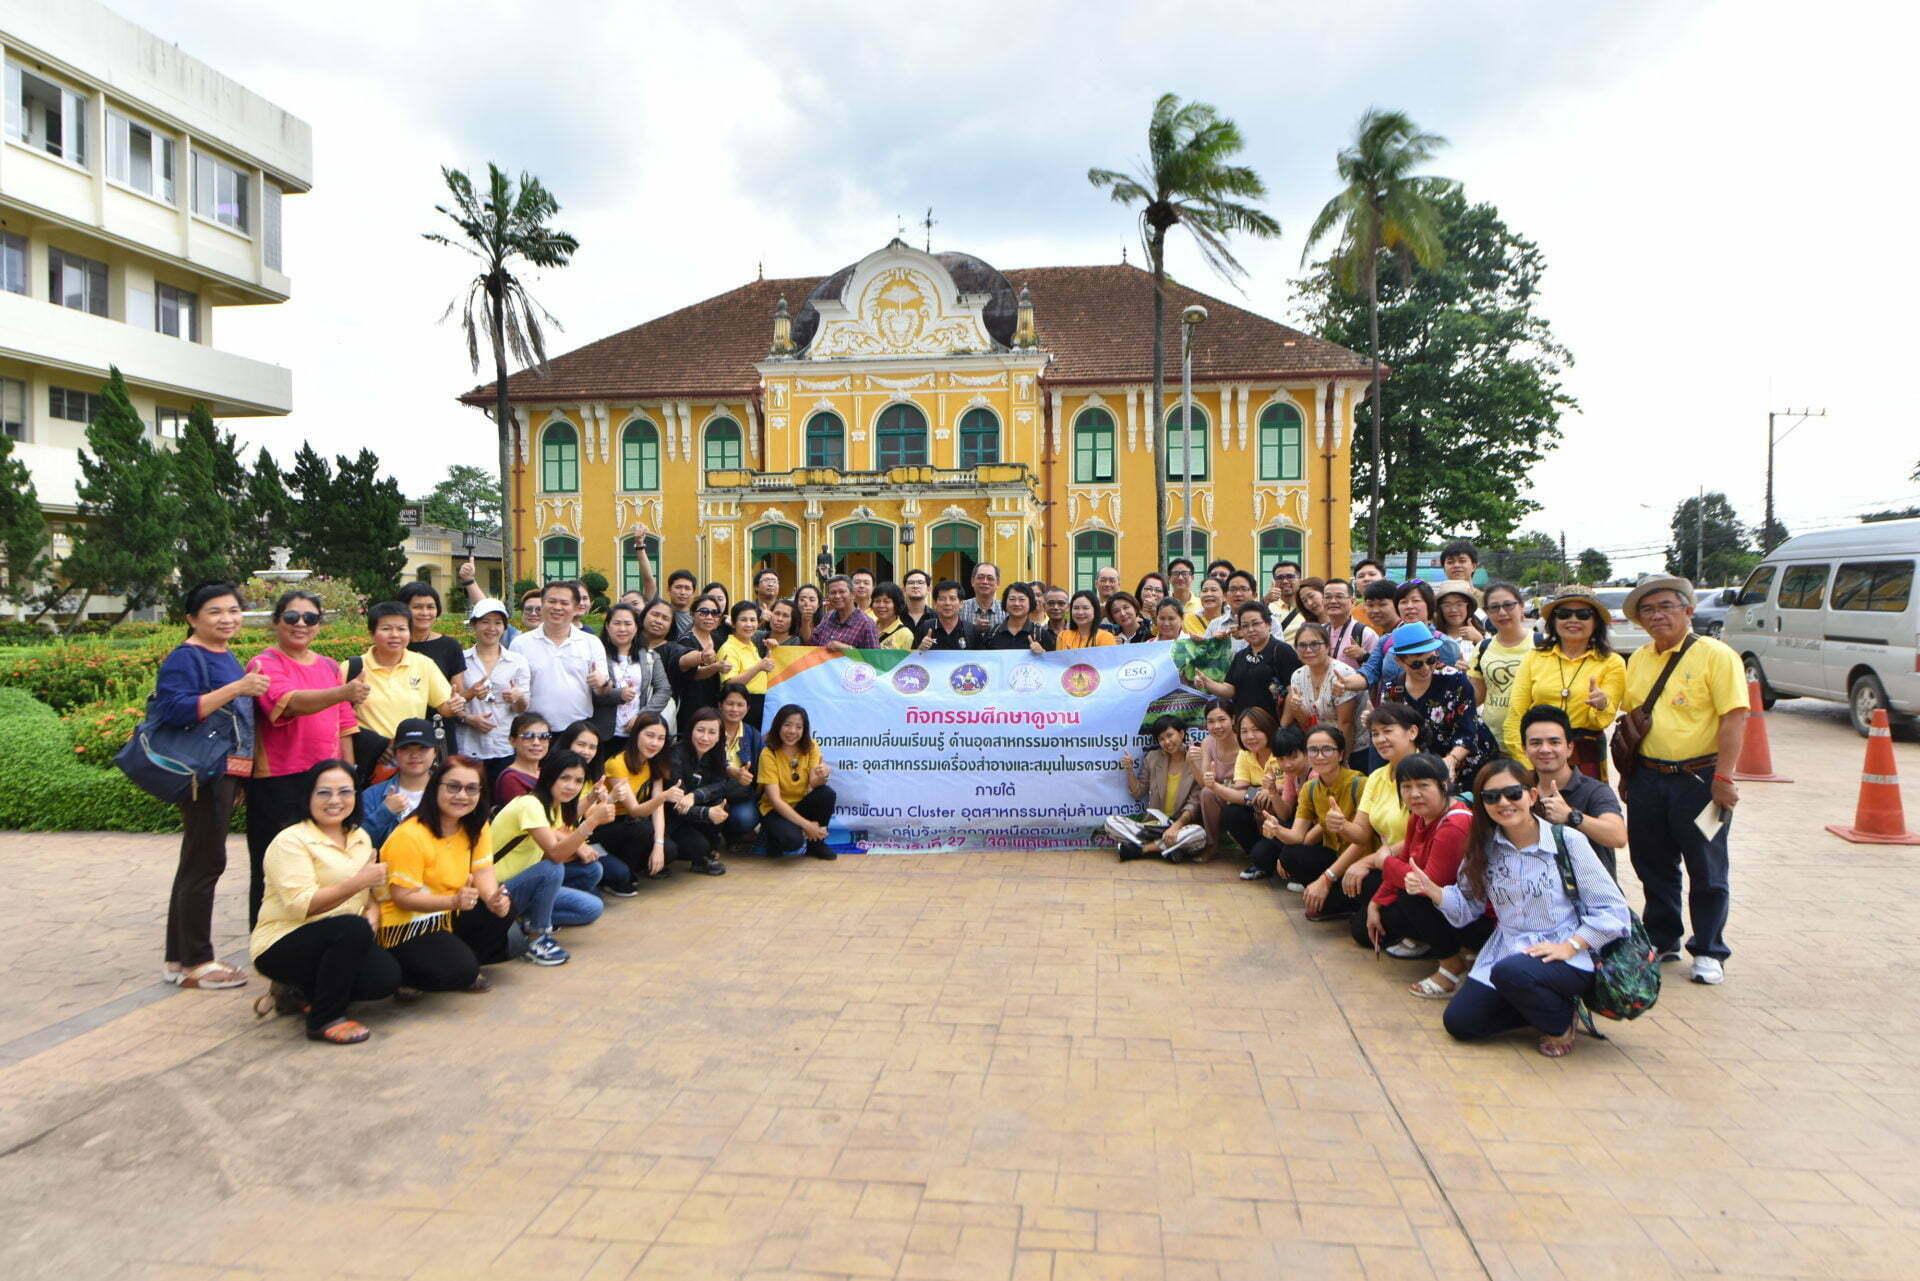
{"x": 102, "y": 728}
{"x": 338, "y": 597}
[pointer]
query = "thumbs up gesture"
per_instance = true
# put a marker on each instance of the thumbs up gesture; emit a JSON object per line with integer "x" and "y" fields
{"x": 1335, "y": 819}
{"x": 1553, "y": 806}
{"x": 1596, "y": 697}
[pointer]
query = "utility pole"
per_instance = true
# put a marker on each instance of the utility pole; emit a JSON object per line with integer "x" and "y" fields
{"x": 1699, "y": 533}
{"x": 1799, "y": 416}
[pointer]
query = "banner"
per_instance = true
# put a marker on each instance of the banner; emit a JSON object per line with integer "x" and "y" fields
{"x": 977, "y": 749}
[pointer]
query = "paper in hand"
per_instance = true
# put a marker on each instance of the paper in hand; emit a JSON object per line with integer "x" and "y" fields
{"x": 1711, "y": 819}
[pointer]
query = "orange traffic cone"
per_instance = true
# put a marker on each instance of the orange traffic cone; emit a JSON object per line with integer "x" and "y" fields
{"x": 1756, "y": 756}
{"x": 1879, "y": 819}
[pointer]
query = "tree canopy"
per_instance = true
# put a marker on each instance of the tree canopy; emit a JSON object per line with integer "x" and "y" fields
{"x": 1475, "y": 394}
{"x": 130, "y": 515}
{"x": 1722, "y": 545}
{"x": 469, "y": 497}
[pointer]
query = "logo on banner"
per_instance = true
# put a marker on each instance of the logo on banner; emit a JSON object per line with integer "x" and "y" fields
{"x": 1026, "y": 678}
{"x": 968, "y": 678}
{"x": 858, "y": 678}
{"x": 910, "y": 678}
{"x": 1135, "y": 675}
{"x": 1080, "y": 680}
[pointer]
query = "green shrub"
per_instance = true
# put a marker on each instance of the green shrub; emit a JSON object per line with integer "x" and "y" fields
{"x": 99, "y": 730}
{"x": 50, "y": 790}
{"x": 20, "y": 631}
{"x": 338, "y": 597}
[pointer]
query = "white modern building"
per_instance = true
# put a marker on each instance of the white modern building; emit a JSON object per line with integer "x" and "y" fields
{"x": 140, "y": 192}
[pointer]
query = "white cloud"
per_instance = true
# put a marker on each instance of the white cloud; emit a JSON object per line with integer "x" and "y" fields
{"x": 1683, "y": 167}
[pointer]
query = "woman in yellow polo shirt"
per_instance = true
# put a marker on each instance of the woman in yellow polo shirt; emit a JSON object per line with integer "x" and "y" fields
{"x": 445, "y": 914}
{"x": 1573, "y": 668}
{"x": 1083, "y": 630}
{"x": 889, "y": 610}
{"x": 746, "y": 658}
{"x": 1307, "y": 847}
{"x": 1375, "y": 828}
{"x": 315, "y": 936}
{"x": 795, "y": 802}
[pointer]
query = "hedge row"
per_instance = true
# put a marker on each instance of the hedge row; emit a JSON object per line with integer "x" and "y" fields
{"x": 66, "y": 677}
{"x": 49, "y": 789}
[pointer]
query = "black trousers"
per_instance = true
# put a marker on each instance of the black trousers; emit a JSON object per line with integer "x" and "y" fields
{"x": 1525, "y": 991}
{"x": 782, "y": 836}
{"x": 1301, "y": 863}
{"x": 449, "y": 960}
{"x": 204, "y": 820}
{"x": 1661, "y": 840}
{"x": 630, "y": 840}
{"x": 693, "y": 839}
{"x": 1341, "y": 903}
{"x": 333, "y": 961}
{"x": 273, "y": 805}
{"x": 1242, "y": 823}
{"x": 1414, "y": 916}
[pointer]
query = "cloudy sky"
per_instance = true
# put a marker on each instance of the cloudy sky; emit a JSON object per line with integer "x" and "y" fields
{"x": 1698, "y": 175}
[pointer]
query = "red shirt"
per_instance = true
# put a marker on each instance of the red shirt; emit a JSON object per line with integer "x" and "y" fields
{"x": 1435, "y": 850}
{"x": 512, "y": 783}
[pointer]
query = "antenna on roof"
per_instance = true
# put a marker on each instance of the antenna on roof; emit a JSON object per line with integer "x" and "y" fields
{"x": 928, "y": 222}
{"x": 1123, "y": 253}
{"x": 760, "y": 269}
{"x": 899, "y": 226}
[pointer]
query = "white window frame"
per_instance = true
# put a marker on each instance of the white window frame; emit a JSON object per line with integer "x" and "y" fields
{"x": 13, "y": 409}
{"x": 12, "y": 242}
{"x": 183, "y": 302}
{"x": 168, "y": 424}
{"x": 57, "y": 296}
{"x": 241, "y": 223}
{"x": 73, "y": 106}
{"x": 163, "y": 158}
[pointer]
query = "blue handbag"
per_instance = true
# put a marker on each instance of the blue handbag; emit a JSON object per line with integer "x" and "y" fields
{"x": 170, "y": 762}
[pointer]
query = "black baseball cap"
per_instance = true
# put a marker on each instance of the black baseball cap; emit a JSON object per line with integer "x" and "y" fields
{"x": 415, "y": 732}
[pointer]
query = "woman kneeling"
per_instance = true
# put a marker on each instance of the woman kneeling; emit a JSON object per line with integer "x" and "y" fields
{"x": 795, "y": 801}
{"x": 536, "y": 839}
{"x": 445, "y": 914}
{"x": 1538, "y": 964}
{"x": 315, "y": 937}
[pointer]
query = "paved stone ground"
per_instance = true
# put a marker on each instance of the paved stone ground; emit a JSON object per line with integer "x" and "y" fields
{"x": 1050, "y": 1066}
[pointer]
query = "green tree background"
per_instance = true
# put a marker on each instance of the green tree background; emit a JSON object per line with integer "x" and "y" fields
{"x": 1725, "y": 546}
{"x": 469, "y": 496}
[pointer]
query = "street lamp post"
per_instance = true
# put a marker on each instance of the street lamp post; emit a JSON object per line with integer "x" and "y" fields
{"x": 1190, "y": 319}
{"x": 906, "y": 550}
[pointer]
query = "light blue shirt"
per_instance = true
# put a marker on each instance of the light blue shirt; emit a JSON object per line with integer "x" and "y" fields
{"x": 1525, "y": 889}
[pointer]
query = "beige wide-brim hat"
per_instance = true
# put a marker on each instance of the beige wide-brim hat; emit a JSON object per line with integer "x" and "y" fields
{"x": 1655, "y": 583}
{"x": 1454, "y": 587}
{"x": 1575, "y": 593}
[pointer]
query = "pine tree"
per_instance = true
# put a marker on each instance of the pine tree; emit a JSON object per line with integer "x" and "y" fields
{"x": 129, "y": 517}
{"x": 310, "y": 516}
{"x": 363, "y": 520}
{"x": 205, "y": 550}
{"x": 23, "y": 528}
{"x": 266, "y": 516}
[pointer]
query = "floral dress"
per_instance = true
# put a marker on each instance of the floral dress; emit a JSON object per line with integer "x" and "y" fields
{"x": 1451, "y": 719}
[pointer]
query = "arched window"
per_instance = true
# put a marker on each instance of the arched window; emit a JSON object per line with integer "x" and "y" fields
{"x": 1177, "y": 545}
{"x": 640, "y": 455}
{"x": 1280, "y": 442}
{"x": 1277, "y": 545}
{"x": 560, "y": 458}
{"x": 979, "y": 438}
{"x": 956, "y": 550}
{"x": 1195, "y": 449}
{"x": 630, "y": 563}
{"x": 559, "y": 557}
{"x": 723, "y": 444}
{"x": 425, "y": 574}
{"x": 776, "y": 547}
{"x": 1093, "y": 446}
{"x": 864, "y": 545}
{"x": 826, "y": 441}
{"x": 903, "y": 438}
{"x": 1092, "y": 549}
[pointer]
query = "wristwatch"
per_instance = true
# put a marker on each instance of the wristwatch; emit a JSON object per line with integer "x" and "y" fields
{"x": 1576, "y": 818}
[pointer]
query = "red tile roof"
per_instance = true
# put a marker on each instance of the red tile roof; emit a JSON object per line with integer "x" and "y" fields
{"x": 1096, "y": 322}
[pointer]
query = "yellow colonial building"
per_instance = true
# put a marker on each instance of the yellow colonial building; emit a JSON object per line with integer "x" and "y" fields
{"x": 927, "y": 410}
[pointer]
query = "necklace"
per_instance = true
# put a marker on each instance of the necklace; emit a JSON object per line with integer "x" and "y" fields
{"x": 1566, "y": 685}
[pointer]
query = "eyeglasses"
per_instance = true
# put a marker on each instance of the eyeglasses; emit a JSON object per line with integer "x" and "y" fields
{"x": 1322, "y": 749}
{"x": 1416, "y": 664}
{"x": 1503, "y": 606}
{"x": 1578, "y": 613}
{"x": 1307, "y": 646}
{"x": 1514, "y": 793}
{"x": 461, "y": 789}
{"x": 333, "y": 793}
{"x": 537, "y": 735}
{"x": 1286, "y": 578}
{"x": 300, "y": 618}
{"x": 1668, "y": 608}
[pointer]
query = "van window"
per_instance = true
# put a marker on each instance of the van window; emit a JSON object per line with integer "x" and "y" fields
{"x": 1802, "y": 586}
{"x": 1758, "y": 584}
{"x": 1879, "y": 587}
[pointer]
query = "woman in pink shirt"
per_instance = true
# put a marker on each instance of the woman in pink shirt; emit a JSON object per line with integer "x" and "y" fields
{"x": 305, "y": 717}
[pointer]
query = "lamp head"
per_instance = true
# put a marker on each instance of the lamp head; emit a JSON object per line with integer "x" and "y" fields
{"x": 1193, "y": 315}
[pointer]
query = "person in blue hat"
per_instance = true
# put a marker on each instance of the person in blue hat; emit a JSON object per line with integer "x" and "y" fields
{"x": 1444, "y": 699}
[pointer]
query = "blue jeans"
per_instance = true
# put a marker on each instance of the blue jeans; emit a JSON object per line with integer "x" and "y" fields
{"x": 613, "y": 870}
{"x": 542, "y": 900}
{"x": 1661, "y": 839}
{"x": 742, "y": 818}
{"x": 1526, "y": 991}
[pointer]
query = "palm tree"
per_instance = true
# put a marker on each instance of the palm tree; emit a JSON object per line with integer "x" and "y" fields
{"x": 1384, "y": 208}
{"x": 1186, "y": 181}
{"x": 508, "y": 224}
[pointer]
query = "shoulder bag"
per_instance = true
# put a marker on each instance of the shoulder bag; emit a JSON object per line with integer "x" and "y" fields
{"x": 1626, "y": 972}
{"x": 1631, "y": 730}
{"x": 170, "y": 762}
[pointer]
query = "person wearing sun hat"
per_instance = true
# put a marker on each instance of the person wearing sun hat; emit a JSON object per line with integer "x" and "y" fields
{"x": 1693, "y": 735}
{"x": 1572, "y": 667}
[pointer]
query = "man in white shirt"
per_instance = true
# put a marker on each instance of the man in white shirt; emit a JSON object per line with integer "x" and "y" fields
{"x": 566, "y": 667}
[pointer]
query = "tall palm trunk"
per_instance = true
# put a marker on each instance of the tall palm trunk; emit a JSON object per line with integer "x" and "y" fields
{"x": 1373, "y": 341}
{"x": 503, "y": 432}
{"x": 1156, "y": 248}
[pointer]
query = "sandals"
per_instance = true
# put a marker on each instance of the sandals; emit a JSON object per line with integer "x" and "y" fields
{"x": 280, "y": 999}
{"x": 481, "y": 983}
{"x": 1437, "y": 986}
{"x": 208, "y": 974}
{"x": 1558, "y": 1047}
{"x": 340, "y": 1032}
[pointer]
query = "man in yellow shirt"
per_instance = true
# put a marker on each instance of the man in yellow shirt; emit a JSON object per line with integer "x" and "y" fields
{"x": 1685, "y": 763}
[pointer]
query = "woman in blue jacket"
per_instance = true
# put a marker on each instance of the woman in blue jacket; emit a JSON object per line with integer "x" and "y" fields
{"x": 199, "y": 678}
{"x": 740, "y": 744}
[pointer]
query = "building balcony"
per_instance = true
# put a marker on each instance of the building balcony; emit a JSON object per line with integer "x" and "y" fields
{"x": 63, "y": 338}
{"x": 831, "y": 482}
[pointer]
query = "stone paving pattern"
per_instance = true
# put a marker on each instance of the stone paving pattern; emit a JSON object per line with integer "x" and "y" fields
{"x": 978, "y": 1066}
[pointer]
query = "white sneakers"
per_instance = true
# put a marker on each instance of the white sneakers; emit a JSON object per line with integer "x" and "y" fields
{"x": 1709, "y": 971}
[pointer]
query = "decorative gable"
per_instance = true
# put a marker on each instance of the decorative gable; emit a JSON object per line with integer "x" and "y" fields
{"x": 900, "y": 302}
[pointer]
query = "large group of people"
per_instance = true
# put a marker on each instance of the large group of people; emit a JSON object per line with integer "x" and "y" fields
{"x": 1413, "y": 759}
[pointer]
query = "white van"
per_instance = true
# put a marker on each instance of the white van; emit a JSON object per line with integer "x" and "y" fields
{"x": 1834, "y": 615}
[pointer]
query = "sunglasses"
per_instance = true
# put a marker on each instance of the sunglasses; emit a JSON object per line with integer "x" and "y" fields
{"x": 1579, "y": 613}
{"x": 707, "y": 613}
{"x": 1514, "y": 793}
{"x": 1308, "y": 645}
{"x": 1503, "y": 606}
{"x": 537, "y": 735}
{"x": 461, "y": 789}
{"x": 1416, "y": 664}
{"x": 300, "y": 618}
